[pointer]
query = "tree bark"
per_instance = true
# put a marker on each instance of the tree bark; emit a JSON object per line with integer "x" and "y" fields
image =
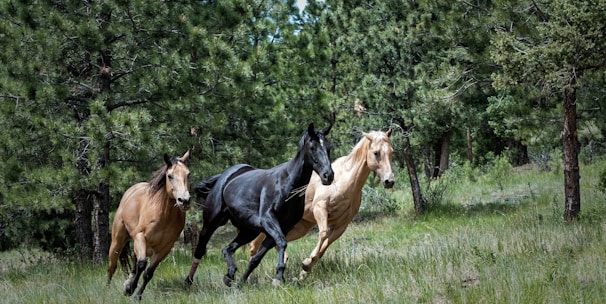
{"x": 572, "y": 191}
{"x": 83, "y": 222}
{"x": 445, "y": 153}
{"x": 469, "y": 147}
{"x": 101, "y": 231}
{"x": 419, "y": 203}
{"x": 102, "y": 237}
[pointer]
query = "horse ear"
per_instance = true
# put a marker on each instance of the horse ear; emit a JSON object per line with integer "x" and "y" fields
{"x": 311, "y": 129}
{"x": 388, "y": 133}
{"x": 167, "y": 160}
{"x": 185, "y": 156}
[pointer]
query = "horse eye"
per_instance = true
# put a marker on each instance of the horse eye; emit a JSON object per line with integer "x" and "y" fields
{"x": 170, "y": 176}
{"x": 377, "y": 153}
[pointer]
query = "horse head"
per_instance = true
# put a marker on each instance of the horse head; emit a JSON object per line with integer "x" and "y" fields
{"x": 379, "y": 156}
{"x": 177, "y": 177}
{"x": 318, "y": 153}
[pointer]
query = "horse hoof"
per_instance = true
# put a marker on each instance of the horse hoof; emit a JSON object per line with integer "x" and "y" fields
{"x": 227, "y": 280}
{"x": 128, "y": 290}
{"x": 188, "y": 281}
{"x": 137, "y": 298}
{"x": 306, "y": 265}
{"x": 303, "y": 274}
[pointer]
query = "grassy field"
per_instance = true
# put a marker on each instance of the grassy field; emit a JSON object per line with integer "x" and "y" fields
{"x": 491, "y": 237}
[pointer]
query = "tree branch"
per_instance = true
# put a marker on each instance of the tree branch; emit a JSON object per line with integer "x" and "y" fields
{"x": 127, "y": 103}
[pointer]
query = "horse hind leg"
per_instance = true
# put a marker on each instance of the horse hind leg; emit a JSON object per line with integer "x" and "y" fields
{"x": 207, "y": 232}
{"x": 117, "y": 248}
{"x": 255, "y": 245}
{"x": 241, "y": 239}
{"x": 267, "y": 244}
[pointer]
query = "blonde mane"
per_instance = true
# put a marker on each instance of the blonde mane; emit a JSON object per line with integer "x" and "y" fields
{"x": 359, "y": 151}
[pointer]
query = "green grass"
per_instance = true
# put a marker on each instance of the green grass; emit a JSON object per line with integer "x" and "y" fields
{"x": 484, "y": 242}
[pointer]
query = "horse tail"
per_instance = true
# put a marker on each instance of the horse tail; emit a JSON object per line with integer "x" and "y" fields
{"x": 125, "y": 254}
{"x": 204, "y": 187}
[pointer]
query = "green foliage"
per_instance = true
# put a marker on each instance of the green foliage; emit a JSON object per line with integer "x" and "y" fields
{"x": 96, "y": 92}
{"x": 499, "y": 171}
{"x": 377, "y": 201}
{"x": 602, "y": 182}
{"x": 435, "y": 192}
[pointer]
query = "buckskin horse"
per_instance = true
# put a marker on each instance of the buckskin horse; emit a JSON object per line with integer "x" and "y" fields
{"x": 153, "y": 215}
{"x": 333, "y": 207}
{"x": 256, "y": 201}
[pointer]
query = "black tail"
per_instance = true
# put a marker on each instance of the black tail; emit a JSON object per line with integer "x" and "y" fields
{"x": 204, "y": 187}
{"x": 124, "y": 258}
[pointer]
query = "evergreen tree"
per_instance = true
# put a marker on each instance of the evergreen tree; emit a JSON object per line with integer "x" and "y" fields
{"x": 554, "y": 48}
{"x": 95, "y": 92}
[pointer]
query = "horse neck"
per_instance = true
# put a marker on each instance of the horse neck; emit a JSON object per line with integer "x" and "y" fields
{"x": 166, "y": 204}
{"x": 356, "y": 166}
{"x": 299, "y": 172}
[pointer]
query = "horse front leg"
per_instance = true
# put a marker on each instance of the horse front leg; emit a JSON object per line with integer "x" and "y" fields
{"x": 326, "y": 238}
{"x": 149, "y": 272}
{"x": 140, "y": 252}
{"x": 272, "y": 229}
{"x": 320, "y": 212}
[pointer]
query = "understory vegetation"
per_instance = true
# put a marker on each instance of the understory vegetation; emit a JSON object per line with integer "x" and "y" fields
{"x": 494, "y": 235}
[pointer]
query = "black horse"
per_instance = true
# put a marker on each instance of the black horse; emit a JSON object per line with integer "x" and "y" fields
{"x": 256, "y": 200}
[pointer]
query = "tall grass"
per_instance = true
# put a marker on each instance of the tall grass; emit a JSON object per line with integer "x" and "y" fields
{"x": 494, "y": 238}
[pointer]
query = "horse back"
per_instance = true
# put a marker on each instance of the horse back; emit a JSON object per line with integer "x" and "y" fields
{"x": 211, "y": 189}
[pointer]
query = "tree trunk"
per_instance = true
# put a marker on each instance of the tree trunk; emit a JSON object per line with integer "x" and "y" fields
{"x": 572, "y": 191}
{"x": 101, "y": 232}
{"x": 427, "y": 164}
{"x": 444, "y": 153}
{"x": 469, "y": 147}
{"x": 83, "y": 222}
{"x": 419, "y": 203}
{"x": 102, "y": 237}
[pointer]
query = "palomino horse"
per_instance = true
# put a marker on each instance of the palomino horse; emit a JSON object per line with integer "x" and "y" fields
{"x": 153, "y": 215}
{"x": 333, "y": 207}
{"x": 256, "y": 200}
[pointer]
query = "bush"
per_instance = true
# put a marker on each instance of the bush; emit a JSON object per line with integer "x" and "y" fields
{"x": 602, "y": 181}
{"x": 377, "y": 200}
{"x": 500, "y": 170}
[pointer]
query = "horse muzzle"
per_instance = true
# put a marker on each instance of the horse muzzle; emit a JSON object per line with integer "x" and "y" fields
{"x": 389, "y": 182}
{"x": 183, "y": 203}
{"x": 327, "y": 177}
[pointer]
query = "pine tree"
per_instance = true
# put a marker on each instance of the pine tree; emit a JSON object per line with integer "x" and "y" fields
{"x": 554, "y": 47}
